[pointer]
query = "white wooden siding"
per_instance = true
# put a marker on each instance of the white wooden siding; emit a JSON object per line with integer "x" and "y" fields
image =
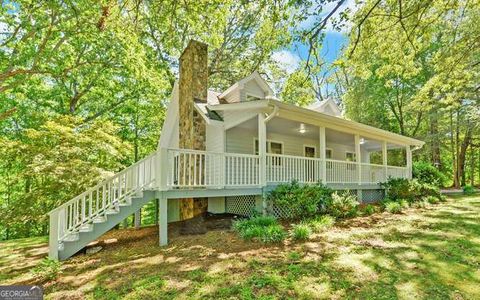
{"x": 239, "y": 140}
{"x": 215, "y": 140}
{"x": 252, "y": 88}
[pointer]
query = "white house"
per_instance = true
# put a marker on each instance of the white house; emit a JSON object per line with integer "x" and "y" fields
{"x": 221, "y": 152}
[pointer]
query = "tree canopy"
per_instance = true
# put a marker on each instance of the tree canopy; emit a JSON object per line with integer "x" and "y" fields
{"x": 84, "y": 84}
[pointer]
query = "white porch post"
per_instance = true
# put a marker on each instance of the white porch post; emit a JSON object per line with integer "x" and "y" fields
{"x": 162, "y": 169}
{"x": 323, "y": 163}
{"x": 385, "y": 160}
{"x": 262, "y": 148}
{"x": 358, "y": 158}
{"x": 162, "y": 219}
{"x": 409, "y": 162}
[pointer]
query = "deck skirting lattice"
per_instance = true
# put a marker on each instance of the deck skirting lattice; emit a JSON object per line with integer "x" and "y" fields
{"x": 371, "y": 196}
{"x": 243, "y": 205}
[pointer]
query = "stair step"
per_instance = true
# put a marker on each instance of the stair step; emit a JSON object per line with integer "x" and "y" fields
{"x": 126, "y": 202}
{"x": 112, "y": 211}
{"x": 86, "y": 228}
{"x": 99, "y": 219}
{"x": 72, "y": 237}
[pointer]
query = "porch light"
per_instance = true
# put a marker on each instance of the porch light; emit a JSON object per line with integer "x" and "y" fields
{"x": 362, "y": 141}
{"x": 302, "y": 128}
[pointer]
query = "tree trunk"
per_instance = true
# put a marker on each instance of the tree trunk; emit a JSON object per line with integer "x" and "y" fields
{"x": 435, "y": 142}
{"x": 472, "y": 165}
{"x": 463, "y": 153}
{"x": 454, "y": 153}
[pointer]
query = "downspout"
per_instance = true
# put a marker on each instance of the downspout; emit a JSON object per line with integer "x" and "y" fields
{"x": 272, "y": 115}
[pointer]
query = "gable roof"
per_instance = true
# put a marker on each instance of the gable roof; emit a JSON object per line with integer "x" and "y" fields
{"x": 254, "y": 76}
{"x": 326, "y": 106}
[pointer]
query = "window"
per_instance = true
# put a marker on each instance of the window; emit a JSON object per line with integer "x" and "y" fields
{"x": 273, "y": 148}
{"x": 328, "y": 153}
{"x": 350, "y": 156}
{"x": 309, "y": 151}
{"x": 250, "y": 97}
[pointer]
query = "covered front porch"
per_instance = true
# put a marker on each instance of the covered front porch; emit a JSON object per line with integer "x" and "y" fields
{"x": 261, "y": 152}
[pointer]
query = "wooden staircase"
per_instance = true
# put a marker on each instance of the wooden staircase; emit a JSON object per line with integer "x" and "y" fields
{"x": 81, "y": 220}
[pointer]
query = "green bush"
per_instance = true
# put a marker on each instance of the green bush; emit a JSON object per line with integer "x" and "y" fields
{"x": 303, "y": 201}
{"x": 404, "y": 203}
{"x": 301, "y": 232}
{"x": 411, "y": 190}
{"x": 393, "y": 207}
{"x": 426, "y": 173}
{"x": 431, "y": 199}
{"x": 263, "y": 228}
{"x": 442, "y": 198}
{"x": 321, "y": 223}
{"x": 342, "y": 205}
{"x": 369, "y": 209}
{"x": 468, "y": 190}
{"x": 47, "y": 270}
{"x": 273, "y": 234}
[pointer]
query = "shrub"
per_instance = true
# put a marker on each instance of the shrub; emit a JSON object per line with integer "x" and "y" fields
{"x": 420, "y": 204}
{"x": 369, "y": 209}
{"x": 426, "y": 173}
{"x": 273, "y": 234}
{"x": 410, "y": 190}
{"x": 48, "y": 269}
{"x": 263, "y": 228}
{"x": 393, "y": 207}
{"x": 442, "y": 198}
{"x": 303, "y": 201}
{"x": 431, "y": 199}
{"x": 301, "y": 232}
{"x": 468, "y": 190}
{"x": 404, "y": 203}
{"x": 322, "y": 223}
{"x": 342, "y": 205}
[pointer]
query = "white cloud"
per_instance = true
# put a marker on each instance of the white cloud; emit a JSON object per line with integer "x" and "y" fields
{"x": 287, "y": 60}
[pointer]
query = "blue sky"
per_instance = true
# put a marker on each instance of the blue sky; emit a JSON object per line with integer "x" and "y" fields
{"x": 332, "y": 45}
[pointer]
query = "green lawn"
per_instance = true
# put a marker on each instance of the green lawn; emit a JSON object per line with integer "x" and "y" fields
{"x": 431, "y": 253}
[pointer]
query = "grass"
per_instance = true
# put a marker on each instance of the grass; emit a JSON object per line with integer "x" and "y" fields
{"x": 424, "y": 253}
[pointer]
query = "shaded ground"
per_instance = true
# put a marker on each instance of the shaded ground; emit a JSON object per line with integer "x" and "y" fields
{"x": 431, "y": 253}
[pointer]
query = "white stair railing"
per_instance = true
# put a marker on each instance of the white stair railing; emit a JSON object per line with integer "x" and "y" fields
{"x": 95, "y": 202}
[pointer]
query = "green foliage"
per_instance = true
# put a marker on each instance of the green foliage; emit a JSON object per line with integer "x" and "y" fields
{"x": 369, "y": 209}
{"x": 404, "y": 203}
{"x": 320, "y": 223}
{"x": 262, "y": 228}
{"x": 468, "y": 190}
{"x": 51, "y": 165}
{"x": 47, "y": 270}
{"x": 393, "y": 207}
{"x": 301, "y": 231}
{"x": 342, "y": 205}
{"x": 426, "y": 173}
{"x": 304, "y": 201}
{"x": 431, "y": 199}
{"x": 399, "y": 189}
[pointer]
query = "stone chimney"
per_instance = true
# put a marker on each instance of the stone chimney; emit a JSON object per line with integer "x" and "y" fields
{"x": 193, "y": 86}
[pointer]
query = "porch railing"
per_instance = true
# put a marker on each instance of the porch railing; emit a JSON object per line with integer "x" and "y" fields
{"x": 202, "y": 169}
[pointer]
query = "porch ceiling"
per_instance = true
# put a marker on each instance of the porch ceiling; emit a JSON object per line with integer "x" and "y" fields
{"x": 288, "y": 127}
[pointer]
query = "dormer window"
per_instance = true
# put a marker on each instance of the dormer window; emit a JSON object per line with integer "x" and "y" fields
{"x": 250, "y": 88}
{"x": 250, "y": 97}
